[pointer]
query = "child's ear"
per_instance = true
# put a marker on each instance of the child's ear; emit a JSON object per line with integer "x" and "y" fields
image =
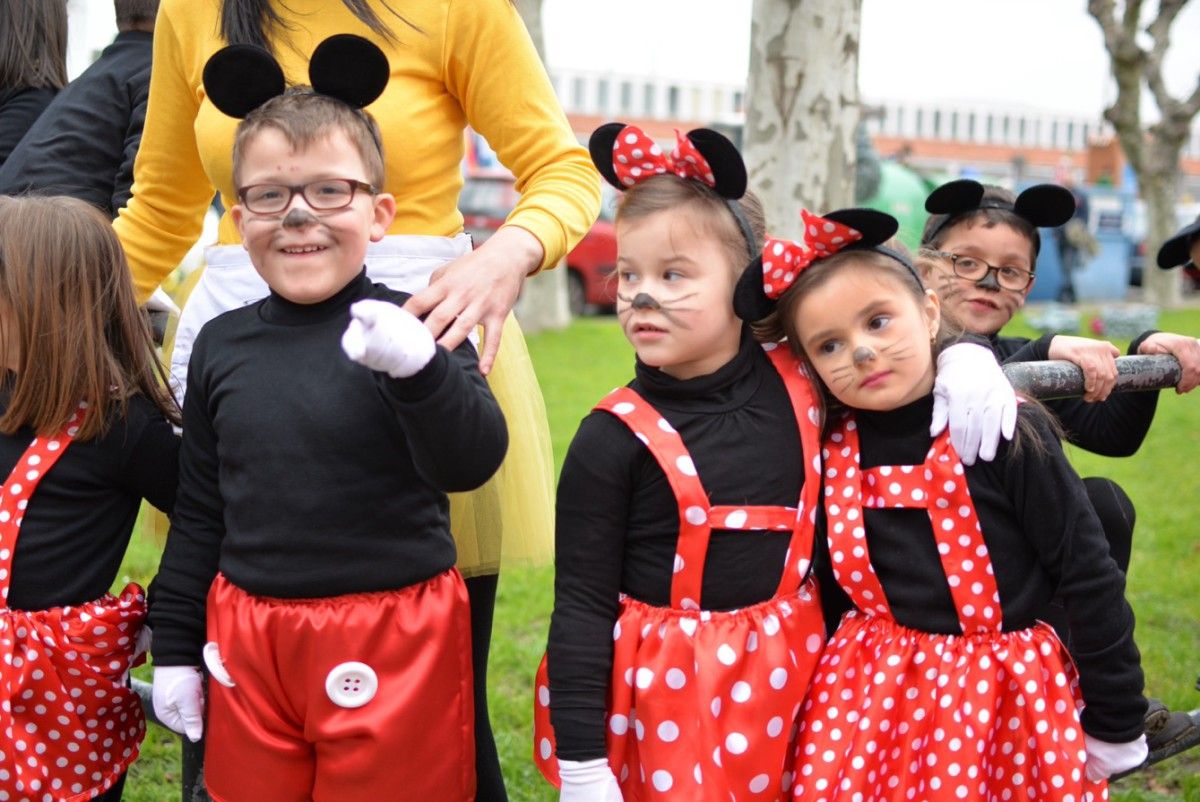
{"x": 238, "y": 215}
{"x": 933, "y": 313}
{"x": 383, "y": 212}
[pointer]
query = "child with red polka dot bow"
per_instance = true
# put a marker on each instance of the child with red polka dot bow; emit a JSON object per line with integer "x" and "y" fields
{"x": 939, "y": 683}
{"x": 85, "y": 435}
{"x": 686, "y": 624}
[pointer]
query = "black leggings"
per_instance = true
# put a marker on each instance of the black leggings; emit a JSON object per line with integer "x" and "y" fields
{"x": 489, "y": 781}
{"x": 113, "y": 794}
{"x": 1117, "y": 516}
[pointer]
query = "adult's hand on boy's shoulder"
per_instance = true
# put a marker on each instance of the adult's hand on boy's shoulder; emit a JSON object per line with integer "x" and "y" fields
{"x": 478, "y": 288}
{"x": 178, "y": 696}
{"x": 1096, "y": 358}
{"x": 1185, "y": 349}
{"x": 387, "y": 338}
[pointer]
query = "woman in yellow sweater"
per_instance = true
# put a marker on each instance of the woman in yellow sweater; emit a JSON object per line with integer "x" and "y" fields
{"x": 453, "y": 63}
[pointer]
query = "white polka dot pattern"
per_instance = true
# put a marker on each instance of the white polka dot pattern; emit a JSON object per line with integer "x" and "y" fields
{"x": 636, "y": 157}
{"x": 699, "y": 699}
{"x": 894, "y": 713}
{"x": 71, "y": 727}
{"x": 783, "y": 260}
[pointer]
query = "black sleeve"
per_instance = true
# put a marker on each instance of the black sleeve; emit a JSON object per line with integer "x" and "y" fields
{"x": 1066, "y": 534}
{"x": 455, "y": 429}
{"x": 834, "y": 601}
{"x": 151, "y": 468}
{"x": 1114, "y": 427}
{"x": 592, "y": 510}
{"x": 123, "y": 180}
{"x": 1033, "y": 351}
{"x": 192, "y": 554}
{"x": 18, "y": 114}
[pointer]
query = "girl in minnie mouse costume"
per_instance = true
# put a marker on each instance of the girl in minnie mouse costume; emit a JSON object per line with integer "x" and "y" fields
{"x": 686, "y": 623}
{"x": 310, "y": 564}
{"x": 939, "y": 683}
{"x": 85, "y": 435}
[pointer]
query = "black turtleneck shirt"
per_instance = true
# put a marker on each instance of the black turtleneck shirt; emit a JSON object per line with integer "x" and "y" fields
{"x": 304, "y": 474}
{"x": 1114, "y": 427}
{"x": 74, "y": 533}
{"x": 1044, "y": 541}
{"x": 618, "y": 521}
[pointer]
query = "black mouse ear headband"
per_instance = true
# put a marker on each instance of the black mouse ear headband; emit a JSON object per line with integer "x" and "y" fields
{"x": 781, "y": 261}
{"x": 625, "y": 155}
{"x": 1177, "y": 250}
{"x": 1042, "y": 205}
{"x": 240, "y": 78}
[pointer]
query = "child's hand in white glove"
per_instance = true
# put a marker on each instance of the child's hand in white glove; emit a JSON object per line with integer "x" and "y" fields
{"x": 386, "y": 338}
{"x": 1105, "y": 759}
{"x": 588, "y": 781}
{"x": 178, "y": 696}
{"x": 972, "y": 395}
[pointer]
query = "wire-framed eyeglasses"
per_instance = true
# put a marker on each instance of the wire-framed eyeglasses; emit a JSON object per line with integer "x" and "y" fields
{"x": 973, "y": 268}
{"x": 325, "y": 195}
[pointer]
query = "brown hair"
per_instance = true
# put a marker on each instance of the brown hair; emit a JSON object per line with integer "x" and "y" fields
{"x": 710, "y": 212}
{"x": 304, "y": 116}
{"x": 66, "y": 295}
{"x": 939, "y": 226}
{"x": 33, "y": 44}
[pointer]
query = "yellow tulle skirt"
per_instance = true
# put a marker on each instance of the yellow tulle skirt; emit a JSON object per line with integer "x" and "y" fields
{"x": 510, "y": 520}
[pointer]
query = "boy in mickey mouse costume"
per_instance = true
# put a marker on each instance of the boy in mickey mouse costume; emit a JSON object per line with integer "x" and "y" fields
{"x": 323, "y": 427}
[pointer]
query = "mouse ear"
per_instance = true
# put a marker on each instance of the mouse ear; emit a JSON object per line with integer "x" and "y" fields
{"x": 875, "y": 226}
{"x": 750, "y": 301}
{"x": 1046, "y": 205}
{"x": 724, "y": 161}
{"x": 240, "y": 78}
{"x": 350, "y": 68}
{"x": 600, "y": 146}
{"x": 955, "y": 196}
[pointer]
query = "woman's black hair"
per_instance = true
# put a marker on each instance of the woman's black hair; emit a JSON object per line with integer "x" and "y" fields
{"x": 248, "y": 21}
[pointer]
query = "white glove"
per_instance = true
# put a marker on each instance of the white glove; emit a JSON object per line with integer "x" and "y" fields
{"x": 178, "y": 695}
{"x": 972, "y": 394}
{"x": 386, "y": 338}
{"x": 1105, "y": 759}
{"x": 588, "y": 781}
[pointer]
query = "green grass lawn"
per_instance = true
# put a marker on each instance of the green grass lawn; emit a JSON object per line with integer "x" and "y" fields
{"x": 579, "y": 365}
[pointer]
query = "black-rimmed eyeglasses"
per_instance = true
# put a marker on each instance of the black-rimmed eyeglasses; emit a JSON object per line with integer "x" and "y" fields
{"x": 974, "y": 269}
{"x": 325, "y": 195}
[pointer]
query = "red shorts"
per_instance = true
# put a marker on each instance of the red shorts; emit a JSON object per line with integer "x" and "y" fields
{"x": 365, "y": 696}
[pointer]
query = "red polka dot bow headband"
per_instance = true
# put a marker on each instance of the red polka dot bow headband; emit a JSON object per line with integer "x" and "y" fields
{"x": 775, "y": 270}
{"x": 782, "y": 260}
{"x": 626, "y": 156}
{"x": 637, "y": 157}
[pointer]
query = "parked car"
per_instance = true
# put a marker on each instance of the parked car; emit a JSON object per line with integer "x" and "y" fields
{"x": 487, "y": 199}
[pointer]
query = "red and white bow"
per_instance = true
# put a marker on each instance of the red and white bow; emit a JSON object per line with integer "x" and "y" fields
{"x": 636, "y": 157}
{"x": 783, "y": 259}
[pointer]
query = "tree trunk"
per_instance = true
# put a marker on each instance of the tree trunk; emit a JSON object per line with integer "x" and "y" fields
{"x": 1153, "y": 152}
{"x": 543, "y": 301}
{"x": 802, "y": 107}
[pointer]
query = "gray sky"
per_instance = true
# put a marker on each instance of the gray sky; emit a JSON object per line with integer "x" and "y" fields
{"x": 1045, "y": 54}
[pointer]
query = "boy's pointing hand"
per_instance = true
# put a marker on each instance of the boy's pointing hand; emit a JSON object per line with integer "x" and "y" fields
{"x": 384, "y": 337}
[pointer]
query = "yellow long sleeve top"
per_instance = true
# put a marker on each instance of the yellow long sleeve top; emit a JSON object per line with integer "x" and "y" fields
{"x": 460, "y": 62}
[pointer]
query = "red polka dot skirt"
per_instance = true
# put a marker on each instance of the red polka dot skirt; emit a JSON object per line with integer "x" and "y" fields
{"x": 898, "y": 714}
{"x": 70, "y": 724}
{"x": 702, "y": 705}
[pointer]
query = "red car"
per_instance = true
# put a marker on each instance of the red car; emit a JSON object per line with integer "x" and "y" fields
{"x": 486, "y": 201}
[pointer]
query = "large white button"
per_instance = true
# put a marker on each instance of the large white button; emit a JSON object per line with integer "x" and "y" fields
{"x": 351, "y": 684}
{"x": 216, "y": 667}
